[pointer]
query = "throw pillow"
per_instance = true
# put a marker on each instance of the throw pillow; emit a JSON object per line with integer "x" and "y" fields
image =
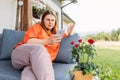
{"x": 65, "y": 54}
{"x": 9, "y": 39}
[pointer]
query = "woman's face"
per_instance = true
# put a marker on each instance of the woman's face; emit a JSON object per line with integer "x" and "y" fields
{"x": 49, "y": 21}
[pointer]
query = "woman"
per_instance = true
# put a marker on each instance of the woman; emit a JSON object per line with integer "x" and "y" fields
{"x": 38, "y": 49}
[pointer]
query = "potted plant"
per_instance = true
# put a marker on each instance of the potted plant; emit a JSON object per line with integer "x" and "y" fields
{"x": 83, "y": 53}
{"x": 37, "y": 12}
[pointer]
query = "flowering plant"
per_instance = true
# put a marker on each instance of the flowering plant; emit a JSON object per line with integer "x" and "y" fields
{"x": 84, "y": 54}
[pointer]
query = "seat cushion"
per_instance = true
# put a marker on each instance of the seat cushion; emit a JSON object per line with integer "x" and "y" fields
{"x": 61, "y": 71}
{"x": 9, "y": 39}
{"x": 65, "y": 54}
{"x": 7, "y": 72}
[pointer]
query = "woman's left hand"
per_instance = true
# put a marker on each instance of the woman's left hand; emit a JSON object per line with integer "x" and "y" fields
{"x": 70, "y": 28}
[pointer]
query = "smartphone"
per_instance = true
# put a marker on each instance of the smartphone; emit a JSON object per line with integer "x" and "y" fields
{"x": 60, "y": 32}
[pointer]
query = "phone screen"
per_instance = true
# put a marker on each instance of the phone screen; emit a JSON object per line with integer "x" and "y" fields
{"x": 60, "y": 32}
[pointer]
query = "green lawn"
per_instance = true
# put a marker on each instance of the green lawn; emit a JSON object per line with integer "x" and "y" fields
{"x": 110, "y": 57}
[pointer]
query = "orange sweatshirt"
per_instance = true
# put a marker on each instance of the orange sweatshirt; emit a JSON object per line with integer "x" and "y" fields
{"x": 36, "y": 31}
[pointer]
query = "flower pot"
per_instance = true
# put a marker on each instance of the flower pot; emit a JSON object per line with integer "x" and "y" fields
{"x": 79, "y": 76}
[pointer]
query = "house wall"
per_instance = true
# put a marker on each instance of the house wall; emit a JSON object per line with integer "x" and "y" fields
{"x": 7, "y": 14}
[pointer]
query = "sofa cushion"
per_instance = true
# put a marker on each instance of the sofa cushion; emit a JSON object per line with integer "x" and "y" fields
{"x": 7, "y": 72}
{"x": 9, "y": 39}
{"x": 64, "y": 53}
{"x": 61, "y": 71}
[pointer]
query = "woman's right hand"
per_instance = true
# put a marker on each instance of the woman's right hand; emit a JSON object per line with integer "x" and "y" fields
{"x": 54, "y": 39}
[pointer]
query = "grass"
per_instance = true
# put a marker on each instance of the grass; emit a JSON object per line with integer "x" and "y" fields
{"x": 111, "y": 57}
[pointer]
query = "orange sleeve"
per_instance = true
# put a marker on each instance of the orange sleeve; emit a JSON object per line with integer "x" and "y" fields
{"x": 32, "y": 32}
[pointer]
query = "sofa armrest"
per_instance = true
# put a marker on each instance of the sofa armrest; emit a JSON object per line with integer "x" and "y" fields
{"x": 0, "y": 42}
{"x": 0, "y": 37}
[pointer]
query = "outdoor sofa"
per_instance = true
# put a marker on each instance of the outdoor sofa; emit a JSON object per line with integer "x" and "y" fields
{"x": 62, "y": 64}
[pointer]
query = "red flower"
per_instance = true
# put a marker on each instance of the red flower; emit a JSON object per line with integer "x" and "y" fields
{"x": 72, "y": 43}
{"x": 80, "y": 40}
{"x": 91, "y": 41}
{"x": 76, "y": 45}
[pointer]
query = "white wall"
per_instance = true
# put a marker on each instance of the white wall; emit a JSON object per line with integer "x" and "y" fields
{"x": 7, "y": 14}
{"x": 65, "y": 26}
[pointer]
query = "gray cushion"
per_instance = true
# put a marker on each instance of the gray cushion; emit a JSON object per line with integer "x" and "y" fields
{"x": 65, "y": 54}
{"x": 61, "y": 71}
{"x": 10, "y": 38}
{"x": 7, "y": 72}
